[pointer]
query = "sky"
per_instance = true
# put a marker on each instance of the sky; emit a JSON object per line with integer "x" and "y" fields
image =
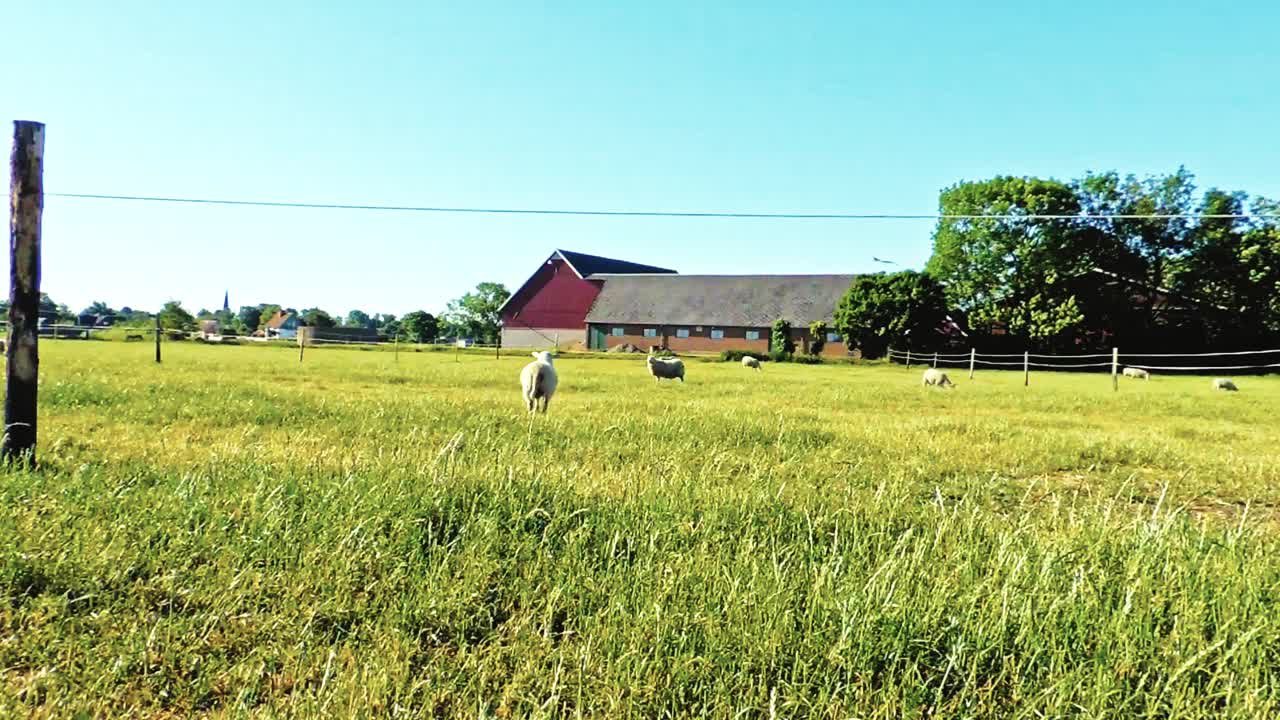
{"x": 848, "y": 107}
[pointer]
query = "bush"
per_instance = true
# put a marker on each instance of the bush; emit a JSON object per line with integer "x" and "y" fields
{"x": 780, "y": 339}
{"x": 737, "y": 355}
{"x": 807, "y": 359}
{"x": 779, "y": 356}
{"x": 817, "y": 337}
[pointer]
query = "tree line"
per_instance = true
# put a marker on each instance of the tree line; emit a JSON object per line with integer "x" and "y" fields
{"x": 1087, "y": 279}
{"x": 474, "y": 316}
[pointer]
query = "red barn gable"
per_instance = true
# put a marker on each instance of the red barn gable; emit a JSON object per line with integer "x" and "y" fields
{"x": 551, "y": 307}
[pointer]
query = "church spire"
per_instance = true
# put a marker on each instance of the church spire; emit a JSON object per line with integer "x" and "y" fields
{"x": 226, "y": 300}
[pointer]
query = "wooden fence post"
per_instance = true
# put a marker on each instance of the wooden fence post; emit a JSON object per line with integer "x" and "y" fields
{"x": 497, "y": 348}
{"x": 157, "y": 337}
{"x": 908, "y": 358}
{"x": 22, "y": 351}
{"x": 935, "y": 359}
{"x": 1026, "y": 369}
{"x": 1115, "y": 369}
{"x": 973, "y": 356}
{"x": 397, "y": 348}
{"x": 302, "y": 345}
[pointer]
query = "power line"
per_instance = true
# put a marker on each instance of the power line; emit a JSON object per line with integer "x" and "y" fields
{"x": 660, "y": 213}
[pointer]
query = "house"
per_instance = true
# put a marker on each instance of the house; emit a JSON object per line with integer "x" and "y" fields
{"x": 551, "y": 307}
{"x": 601, "y": 303}
{"x": 283, "y": 325}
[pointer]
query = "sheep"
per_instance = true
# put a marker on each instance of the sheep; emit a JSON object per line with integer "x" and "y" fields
{"x": 670, "y": 368}
{"x": 748, "y": 361}
{"x": 1224, "y": 384}
{"x": 538, "y": 381}
{"x": 1136, "y": 373}
{"x": 933, "y": 376}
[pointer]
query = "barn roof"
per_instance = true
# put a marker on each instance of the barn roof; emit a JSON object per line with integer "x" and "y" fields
{"x": 583, "y": 265}
{"x": 728, "y": 300}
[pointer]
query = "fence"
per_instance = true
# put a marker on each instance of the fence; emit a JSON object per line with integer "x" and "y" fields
{"x": 1255, "y": 362}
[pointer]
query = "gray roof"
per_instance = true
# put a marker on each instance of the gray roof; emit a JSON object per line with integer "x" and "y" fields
{"x": 718, "y": 300}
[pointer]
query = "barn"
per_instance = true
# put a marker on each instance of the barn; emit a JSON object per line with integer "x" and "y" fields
{"x": 600, "y": 303}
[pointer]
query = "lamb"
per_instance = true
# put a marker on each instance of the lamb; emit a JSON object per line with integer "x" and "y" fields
{"x": 1136, "y": 373}
{"x": 670, "y": 368}
{"x": 538, "y": 380}
{"x": 748, "y": 361}
{"x": 933, "y": 376}
{"x": 1224, "y": 384}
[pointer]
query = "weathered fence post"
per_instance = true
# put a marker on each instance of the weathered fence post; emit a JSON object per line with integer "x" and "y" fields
{"x": 157, "y": 337}
{"x": 497, "y": 348}
{"x": 1026, "y": 368}
{"x": 1115, "y": 369}
{"x": 302, "y": 344}
{"x": 908, "y": 358}
{"x": 22, "y": 352}
{"x": 973, "y": 356}
{"x": 397, "y": 348}
{"x": 935, "y": 360}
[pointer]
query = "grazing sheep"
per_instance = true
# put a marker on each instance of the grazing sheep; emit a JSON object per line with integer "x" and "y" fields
{"x": 748, "y": 361}
{"x": 1224, "y": 384}
{"x": 538, "y": 380}
{"x": 670, "y": 368}
{"x": 933, "y": 376}
{"x": 1136, "y": 373}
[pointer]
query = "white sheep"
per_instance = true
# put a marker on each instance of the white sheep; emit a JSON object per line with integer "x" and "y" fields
{"x": 670, "y": 368}
{"x": 1224, "y": 384}
{"x": 933, "y": 376}
{"x": 748, "y": 361}
{"x": 1136, "y": 373}
{"x": 538, "y": 381}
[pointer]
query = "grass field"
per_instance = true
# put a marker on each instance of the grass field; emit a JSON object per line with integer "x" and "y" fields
{"x": 232, "y": 533}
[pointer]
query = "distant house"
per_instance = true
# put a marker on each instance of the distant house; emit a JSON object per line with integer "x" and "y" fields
{"x": 600, "y": 303}
{"x": 92, "y": 320}
{"x": 210, "y": 327}
{"x": 283, "y": 325}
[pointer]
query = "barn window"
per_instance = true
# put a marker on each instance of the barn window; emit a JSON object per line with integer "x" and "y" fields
{"x": 616, "y": 332}
{"x": 753, "y": 334}
{"x": 651, "y": 332}
{"x": 833, "y": 337}
{"x": 717, "y": 334}
{"x": 682, "y": 332}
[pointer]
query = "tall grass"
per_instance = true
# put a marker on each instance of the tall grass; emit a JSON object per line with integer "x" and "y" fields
{"x": 235, "y": 533}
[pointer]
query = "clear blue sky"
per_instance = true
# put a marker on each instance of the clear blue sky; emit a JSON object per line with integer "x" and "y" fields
{"x": 851, "y": 107}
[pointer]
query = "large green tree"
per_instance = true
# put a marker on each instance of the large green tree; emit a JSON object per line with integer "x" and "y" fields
{"x": 249, "y": 317}
{"x": 882, "y": 310}
{"x": 174, "y": 317}
{"x": 267, "y": 312}
{"x": 419, "y": 326}
{"x": 360, "y": 319}
{"x": 315, "y": 317}
{"x": 1011, "y": 270}
{"x": 475, "y": 314}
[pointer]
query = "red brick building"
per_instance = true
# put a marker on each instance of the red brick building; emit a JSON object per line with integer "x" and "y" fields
{"x": 601, "y": 303}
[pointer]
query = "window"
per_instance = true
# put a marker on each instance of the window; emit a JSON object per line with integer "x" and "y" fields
{"x": 753, "y": 334}
{"x": 616, "y": 332}
{"x": 651, "y": 332}
{"x": 717, "y": 334}
{"x": 682, "y": 332}
{"x": 833, "y": 337}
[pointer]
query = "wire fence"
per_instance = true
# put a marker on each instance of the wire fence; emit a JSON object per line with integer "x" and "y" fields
{"x": 1115, "y": 362}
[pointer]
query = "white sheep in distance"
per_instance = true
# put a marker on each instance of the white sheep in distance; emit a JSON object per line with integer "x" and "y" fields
{"x": 748, "y": 361}
{"x": 934, "y": 376}
{"x": 1136, "y": 373}
{"x": 538, "y": 381}
{"x": 1224, "y": 384}
{"x": 670, "y": 368}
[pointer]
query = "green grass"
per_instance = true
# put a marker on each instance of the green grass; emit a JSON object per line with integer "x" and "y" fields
{"x": 234, "y": 534}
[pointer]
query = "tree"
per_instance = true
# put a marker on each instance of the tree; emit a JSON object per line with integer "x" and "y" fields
{"x": 360, "y": 319}
{"x": 475, "y": 314}
{"x": 1010, "y": 270}
{"x": 780, "y": 339}
{"x": 174, "y": 317}
{"x": 817, "y": 337}
{"x": 266, "y": 313}
{"x": 882, "y": 310}
{"x": 99, "y": 309}
{"x": 315, "y": 317}
{"x": 249, "y": 318}
{"x": 420, "y": 326}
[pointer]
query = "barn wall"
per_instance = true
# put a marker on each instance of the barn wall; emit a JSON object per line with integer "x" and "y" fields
{"x": 522, "y": 337}
{"x": 554, "y": 298}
